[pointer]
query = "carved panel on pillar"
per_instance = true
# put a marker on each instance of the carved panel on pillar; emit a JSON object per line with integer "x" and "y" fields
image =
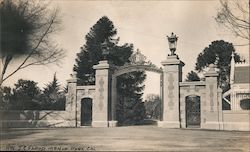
{"x": 101, "y": 97}
{"x": 211, "y": 97}
{"x": 81, "y": 93}
{"x": 170, "y": 91}
{"x": 204, "y": 101}
{"x": 90, "y": 92}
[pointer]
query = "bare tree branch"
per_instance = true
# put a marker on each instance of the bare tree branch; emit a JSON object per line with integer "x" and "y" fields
{"x": 31, "y": 53}
{"x": 43, "y": 23}
{"x": 234, "y": 15}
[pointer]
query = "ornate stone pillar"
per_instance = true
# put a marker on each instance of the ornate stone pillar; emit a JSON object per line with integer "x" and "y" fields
{"x": 172, "y": 75}
{"x": 219, "y": 99}
{"x": 102, "y": 104}
{"x": 70, "y": 105}
{"x": 213, "y": 108}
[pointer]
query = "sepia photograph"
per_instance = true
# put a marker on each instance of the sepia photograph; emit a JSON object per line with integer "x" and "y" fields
{"x": 125, "y": 75}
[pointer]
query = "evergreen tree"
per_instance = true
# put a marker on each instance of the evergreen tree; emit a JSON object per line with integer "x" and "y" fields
{"x": 53, "y": 99}
{"x": 218, "y": 51}
{"x": 130, "y": 108}
{"x": 51, "y": 89}
{"x": 91, "y": 54}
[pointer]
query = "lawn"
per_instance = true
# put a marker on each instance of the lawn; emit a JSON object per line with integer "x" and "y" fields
{"x": 130, "y": 138}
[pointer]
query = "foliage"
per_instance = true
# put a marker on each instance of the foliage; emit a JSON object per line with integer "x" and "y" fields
{"x": 130, "y": 108}
{"x": 234, "y": 15}
{"x": 153, "y": 106}
{"x": 52, "y": 98}
{"x": 5, "y": 99}
{"x": 26, "y": 28}
{"x": 222, "y": 51}
{"x": 192, "y": 76}
{"x": 91, "y": 54}
{"x": 26, "y": 96}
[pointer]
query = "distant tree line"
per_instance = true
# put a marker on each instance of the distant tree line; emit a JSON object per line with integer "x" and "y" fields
{"x": 26, "y": 95}
{"x": 153, "y": 106}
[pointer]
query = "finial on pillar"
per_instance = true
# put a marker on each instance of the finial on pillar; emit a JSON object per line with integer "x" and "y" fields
{"x": 211, "y": 67}
{"x": 211, "y": 71}
{"x": 232, "y": 69}
{"x": 73, "y": 78}
{"x": 73, "y": 75}
{"x": 216, "y": 62}
{"x": 105, "y": 49}
{"x": 172, "y": 41}
{"x": 232, "y": 55}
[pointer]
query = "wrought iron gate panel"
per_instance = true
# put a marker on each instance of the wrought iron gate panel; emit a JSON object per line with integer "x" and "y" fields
{"x": 86, "y": 112}
{"x": 193, "y": 118}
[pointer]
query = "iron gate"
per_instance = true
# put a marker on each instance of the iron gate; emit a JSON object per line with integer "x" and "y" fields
{"x": 86, "y": 112}
{"x": 193, "y": 118}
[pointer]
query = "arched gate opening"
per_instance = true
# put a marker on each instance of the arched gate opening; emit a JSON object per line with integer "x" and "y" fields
{"x": 137, "y": 64}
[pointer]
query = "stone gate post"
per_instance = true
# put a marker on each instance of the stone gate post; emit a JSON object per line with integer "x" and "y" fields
{"x": 102, "y": 106}
{"x": 213, "y": 107}
{"x": 172, "y": 75}
{"x": 70, "y": 105}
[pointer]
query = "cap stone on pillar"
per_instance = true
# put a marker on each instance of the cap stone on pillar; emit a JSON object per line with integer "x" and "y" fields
{"x": 73, "y": 78}
{"x": 212, "y": 71}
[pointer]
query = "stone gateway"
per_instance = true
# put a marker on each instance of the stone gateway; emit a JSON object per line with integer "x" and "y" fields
{"x": 195, "y": 104}
{"x": 184, "y": 104}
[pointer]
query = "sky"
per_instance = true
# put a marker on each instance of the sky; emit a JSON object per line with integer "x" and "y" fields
{"x": 142, "y": 23}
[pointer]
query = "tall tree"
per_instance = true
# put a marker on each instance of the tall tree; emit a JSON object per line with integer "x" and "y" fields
{"x": 130, "y": 108}
{"x": 51, "y": 92}
{"x": 91, "y": 54}
{"x": 234, "y": 15}
{"x": 26, "y": 28}
{"x": 26, "y": 96}
{"x": 218, "y": 51}
{"x": 53, "y": 99}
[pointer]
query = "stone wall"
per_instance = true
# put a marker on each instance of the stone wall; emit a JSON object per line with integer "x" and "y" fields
{"x": 225, "y": 120}
{"x": 196, "y": 88}
{"x": 236, "y": 120}
{"x": 81, "y": 93}
{"x": 30, "y": 119}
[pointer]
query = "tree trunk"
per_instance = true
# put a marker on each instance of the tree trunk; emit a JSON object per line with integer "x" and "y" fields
{"x": 4, "y": 64}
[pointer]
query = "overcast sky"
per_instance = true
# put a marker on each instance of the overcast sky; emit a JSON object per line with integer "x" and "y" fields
{"x": 143, "y": 23}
